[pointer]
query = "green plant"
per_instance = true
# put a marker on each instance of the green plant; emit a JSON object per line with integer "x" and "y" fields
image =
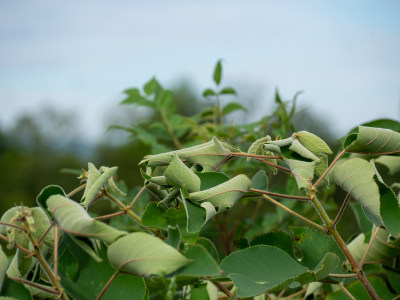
{"x": 204, "y": 198}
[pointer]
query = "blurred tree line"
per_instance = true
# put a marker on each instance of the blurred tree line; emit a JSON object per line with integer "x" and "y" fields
{"x": 35, "y": 150}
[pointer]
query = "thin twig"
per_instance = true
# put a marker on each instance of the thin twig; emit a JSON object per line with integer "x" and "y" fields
{"x": 222, "y": 288}
{"x": 40, "y": 241}
{"x": 107, "y": 285}
{"x": 23, "y": 249}
{"x": 295, "y": 294}
{"x": 343, "y": 275}
{"x": 342, "y": 208}
{"x": 109, "y": 216}
{"x": 328, "y": 169}
{"x": 13, "y": 225}
{"x": 137, "y": 196}
{"x": 255, "y": 155}
{"x": 295, "y": 214}
{"x": 369, "y": 246}
{"x": 36, "y": 285}
{"x": 281, "y": 294}
{"x": 346, "y": 291}
{"x": 274, "y": 165}
{"x": 73, "y": 192}
{"x": 55, "y": 259}
{"x": 305, "y": 198}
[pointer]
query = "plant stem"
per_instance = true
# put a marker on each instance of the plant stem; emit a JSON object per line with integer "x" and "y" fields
{"x": 274, "y": 165}
{"x": 295, "y": 294}
{"x": 346, "y": 291}
{"x": 40, "y": 241}
{"x": 222, "y": 288}
{"x": 356, "y": 268}
{"x": 329, "y": 168}
{"x": 175, "y": 140}
{"x": 36, "y": 285}
{"x": 55, "y": 259}
{"x": 23, "y": 229}
{"x": 305, "y": 198}
{"x": 73, "y": 192}
{"x": 107, "y": 285}
{"x": 109, "y": 216}
{"x": 23, "y": 249}
{"x": 342, "y": 208}
{"x": 137, "y": 196}
{"x": 295, "y": 213}
{"x": 369, "y": 246}
{"x": 255, "y": 155}
{"x": 343, "y": 275}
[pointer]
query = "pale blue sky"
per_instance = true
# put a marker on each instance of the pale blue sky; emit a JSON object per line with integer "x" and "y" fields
{"x": 81, "y": 54}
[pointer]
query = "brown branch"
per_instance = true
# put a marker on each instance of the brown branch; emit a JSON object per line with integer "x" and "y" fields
{"x": 109, "y": 216}
{"x": 304, "y": 198}
{"x": 342, "y": 208}
{"x": 295, "y": 294}
{"x": 73, "y": 192}
{"x": 346, "y": 291}
{"x": 137, "y": 196}
{"x": 107, "y": 285}
{"x": 13, "y": 225}
{"x": 274, "y": 165}
{"x": 23, "y": 249}
{"x": 222, "y": 288}
{"x": 369, "y": 246}
{"x": 36, "y": 285}
{"x": 328, "y": 169}
{"x": 255, "y": 155}
{"x": 40, "y": 241}
{"x": 55, "y": 258}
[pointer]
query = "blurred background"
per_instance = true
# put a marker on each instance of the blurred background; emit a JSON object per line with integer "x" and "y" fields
{"x": 64, "y": 66}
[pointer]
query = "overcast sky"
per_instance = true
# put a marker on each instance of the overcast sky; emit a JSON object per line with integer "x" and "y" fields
{"x": 80, "y": 55}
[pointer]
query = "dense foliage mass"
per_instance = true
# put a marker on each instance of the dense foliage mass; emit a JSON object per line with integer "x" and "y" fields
{"x": 225, "y": 211}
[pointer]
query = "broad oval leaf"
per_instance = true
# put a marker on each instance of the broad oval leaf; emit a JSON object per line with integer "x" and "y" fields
{"x": 302, "y": 171}
{"x": 371, "y": 140}
{"x": 179, "y": 175}
{"x": 312, "y": 142}
{"x": 258, "y": 269}
{"x": 145, "y": 255}
{"x": 223, "y": 196}
{"x": 390, "y": 162}
{"x": 95, "y": 181}
{"x": 73, "y": 218}
{"x": 356, "y": 176}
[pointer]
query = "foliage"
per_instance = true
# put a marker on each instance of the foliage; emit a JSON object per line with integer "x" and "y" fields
{"x": 202, "y": 224}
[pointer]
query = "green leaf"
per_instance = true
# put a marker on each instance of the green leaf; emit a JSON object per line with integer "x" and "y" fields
{"x": 389, "y": 208}
{"x": 134, "y": 97}
{"x": 144, "y": 255}
{"x": 258, "y": 269}
{"x": 382, "y": 248}
{"x": 151, "y": 87}
{"x": 179, "y": 175}
{"x": 223, "y": 196}
{"x": 197, "y": 216}
{"x": 260, "y": 181}
{"x": 165, "y": 101}
{"x": 302, "y": 171}
{"x": 278, "y": 239}
{"x": 328, "y": 265}
{"x": 363, "y": 223}
{"x": 208, "y": 155}
{"x": 68, "y": 264}
{"x": 257, "y": 147}
{"x": 93, "y": 276}
{"x": 46, "y": 193}
{"x": 312, "y": 142}
{"x": 15, "y": 290}
{"x": 231, "y": 107}
{"x": 314, "y": 245}
{"x": 3, "y": 266}
{"x": 211, "y": 179}
{"x": 95, "y": 182}
{"x": 321, "y": 167}
{"x": 358, "y": 291}
{"x": 73, "y": 219}
{"x": 209, "y": 92}
{"x": 370, "y": 140}
{"x": 356, "y": 176}
{"x": 390, "y": 162}
{"x": 297, "y": 147}
{"x": 203, "y": 264}
{"x": 174, "y": 237}
{"x": 209, "y": 246}
{"x": 228, "y": 91}
{"x": 217, "y": 72}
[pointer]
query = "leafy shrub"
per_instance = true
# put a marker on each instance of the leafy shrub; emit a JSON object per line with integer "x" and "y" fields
{"x": 201, "y": 226}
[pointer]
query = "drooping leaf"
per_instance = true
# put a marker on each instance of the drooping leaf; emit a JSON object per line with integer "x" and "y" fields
{"x": 390, "y": 162}
{"x": 314, "y": 245}
{"x": 356, "y": 176}
{"x": 389, "y": 208}
{"x": 179, "y": 175}
{"x": 134, "y": 97}
{"x": 260, "y": 181}
{"x": 228, "y": 91}
{"x": 145, "y": 255}
{"x": 231, "y": 107}
{"x": 73, "y": 218}
{"x": 211, "y": 179}
{"x": 257, "y": 147}
{"x": 370, "y": 140}
{"x": 312, "y": 142}
{"x": 258, "y": 269}
{"x": 217, "y": 72}
{"x": 197, "y": 216}
{"x": 95, "y": 181}
{"x": 3, "y": 266}
{"x": 209, "y": 246}
{"x": 209, "y": 92}
{"x": 302, "y": 171}
{"x": 208, "y": 155}
{"x": 223, "y": 196}
{"x": 202, "y": 263}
